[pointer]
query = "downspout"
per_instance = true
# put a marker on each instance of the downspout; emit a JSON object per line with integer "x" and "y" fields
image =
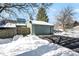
{"x": 50, "y": 30}
{"x": 30, "y": 27}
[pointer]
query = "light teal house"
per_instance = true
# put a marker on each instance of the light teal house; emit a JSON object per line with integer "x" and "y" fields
{"x": 40, "y": 27}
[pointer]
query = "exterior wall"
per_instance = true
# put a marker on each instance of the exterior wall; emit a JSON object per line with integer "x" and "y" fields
{"x": 36, "y": 29}
{"x": 41, "y": 29}
{"x": 29, "y": 25}
{"x": 7, "y": 32}
{"x": 52, "y": 29}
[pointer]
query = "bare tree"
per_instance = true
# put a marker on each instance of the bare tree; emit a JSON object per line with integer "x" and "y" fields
{"x": 21, "y": 7}
{"x": 66, "y": 16}
{"x": 10, "y": 8}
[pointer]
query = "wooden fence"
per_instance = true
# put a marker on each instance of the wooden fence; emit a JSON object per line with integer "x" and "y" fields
{"x": 7, "y": 32}
{"x": 10, "y": 32}
{"x": 23, "y": 30}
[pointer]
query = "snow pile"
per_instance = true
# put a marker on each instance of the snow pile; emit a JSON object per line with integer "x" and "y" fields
{"x": 22, "y": 44}
{"x": 7, "y": 40}
{"x": 32, "y": 45}
{"x": 17, "y": 37}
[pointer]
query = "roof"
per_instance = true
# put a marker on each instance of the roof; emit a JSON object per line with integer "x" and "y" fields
{"x": 40, "y": 23}
{"x": 11, "y": 25}
{"x": 21, "y": 24}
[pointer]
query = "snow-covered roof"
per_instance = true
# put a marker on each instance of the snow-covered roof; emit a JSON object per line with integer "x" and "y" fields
{"x": 11, "y": 25}
{"x": 8, "y": 25}
{"x": 21, "y": 24}
{"x": 40, "y": 22}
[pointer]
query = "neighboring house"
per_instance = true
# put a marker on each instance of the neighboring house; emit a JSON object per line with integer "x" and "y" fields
{"x": 8, "y": 23}
{"x": 40, "y": 27}
{"x": 3, "y": 22}
{"x": 76, "y": 23}
{"x": 9, "y": 28}
{"x": 12, "y": 23}
{"x": 20, "y": 20}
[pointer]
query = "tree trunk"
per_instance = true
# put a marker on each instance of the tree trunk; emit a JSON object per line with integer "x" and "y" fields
{"x": 63, "y": 27}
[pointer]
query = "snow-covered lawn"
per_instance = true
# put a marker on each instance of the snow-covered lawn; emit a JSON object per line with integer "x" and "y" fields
{"x": 69, "y": 33}
{"x": 7, "y": 40}
{"x": 32, "y": 45}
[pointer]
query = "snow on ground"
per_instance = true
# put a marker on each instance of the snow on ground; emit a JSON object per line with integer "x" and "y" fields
{"x": 69, "y": 33}
{"x": 3, "y": 41}
{"x": 73, "y": 32}
{"x": 61, "y": 51}
{"x": 22, "y": 44}
{"x": 8, "y": 40}
{"x": 50, "y": 50}
{"x": 32, "y": 45}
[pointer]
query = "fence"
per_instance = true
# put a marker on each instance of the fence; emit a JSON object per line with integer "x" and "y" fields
{"x": 10, "y": 32}
{"x": 7, "y": 32}
{"x": 23, "y": 30}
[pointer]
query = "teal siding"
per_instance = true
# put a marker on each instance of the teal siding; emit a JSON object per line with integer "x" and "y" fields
{"x": 41, "y": 29}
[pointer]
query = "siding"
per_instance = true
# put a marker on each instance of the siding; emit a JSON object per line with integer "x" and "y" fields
{"x": 41, "y": 29}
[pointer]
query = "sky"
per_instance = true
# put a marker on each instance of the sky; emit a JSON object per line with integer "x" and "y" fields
{"x": 56, "y": 7}
{"x": 53, "y": 11}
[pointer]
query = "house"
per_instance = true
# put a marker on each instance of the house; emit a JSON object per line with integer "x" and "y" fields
{"x": 21, "y": 20}
{"x": 9, "y": 28}
{"x": 40, "y": 27}
{"x": 7, "y": 23}
{"x": 76, "y": 23}
{"x": 3, "y": 22}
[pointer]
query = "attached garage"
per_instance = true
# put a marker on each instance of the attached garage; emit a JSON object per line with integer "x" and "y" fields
{"x": 40, "y": 27}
